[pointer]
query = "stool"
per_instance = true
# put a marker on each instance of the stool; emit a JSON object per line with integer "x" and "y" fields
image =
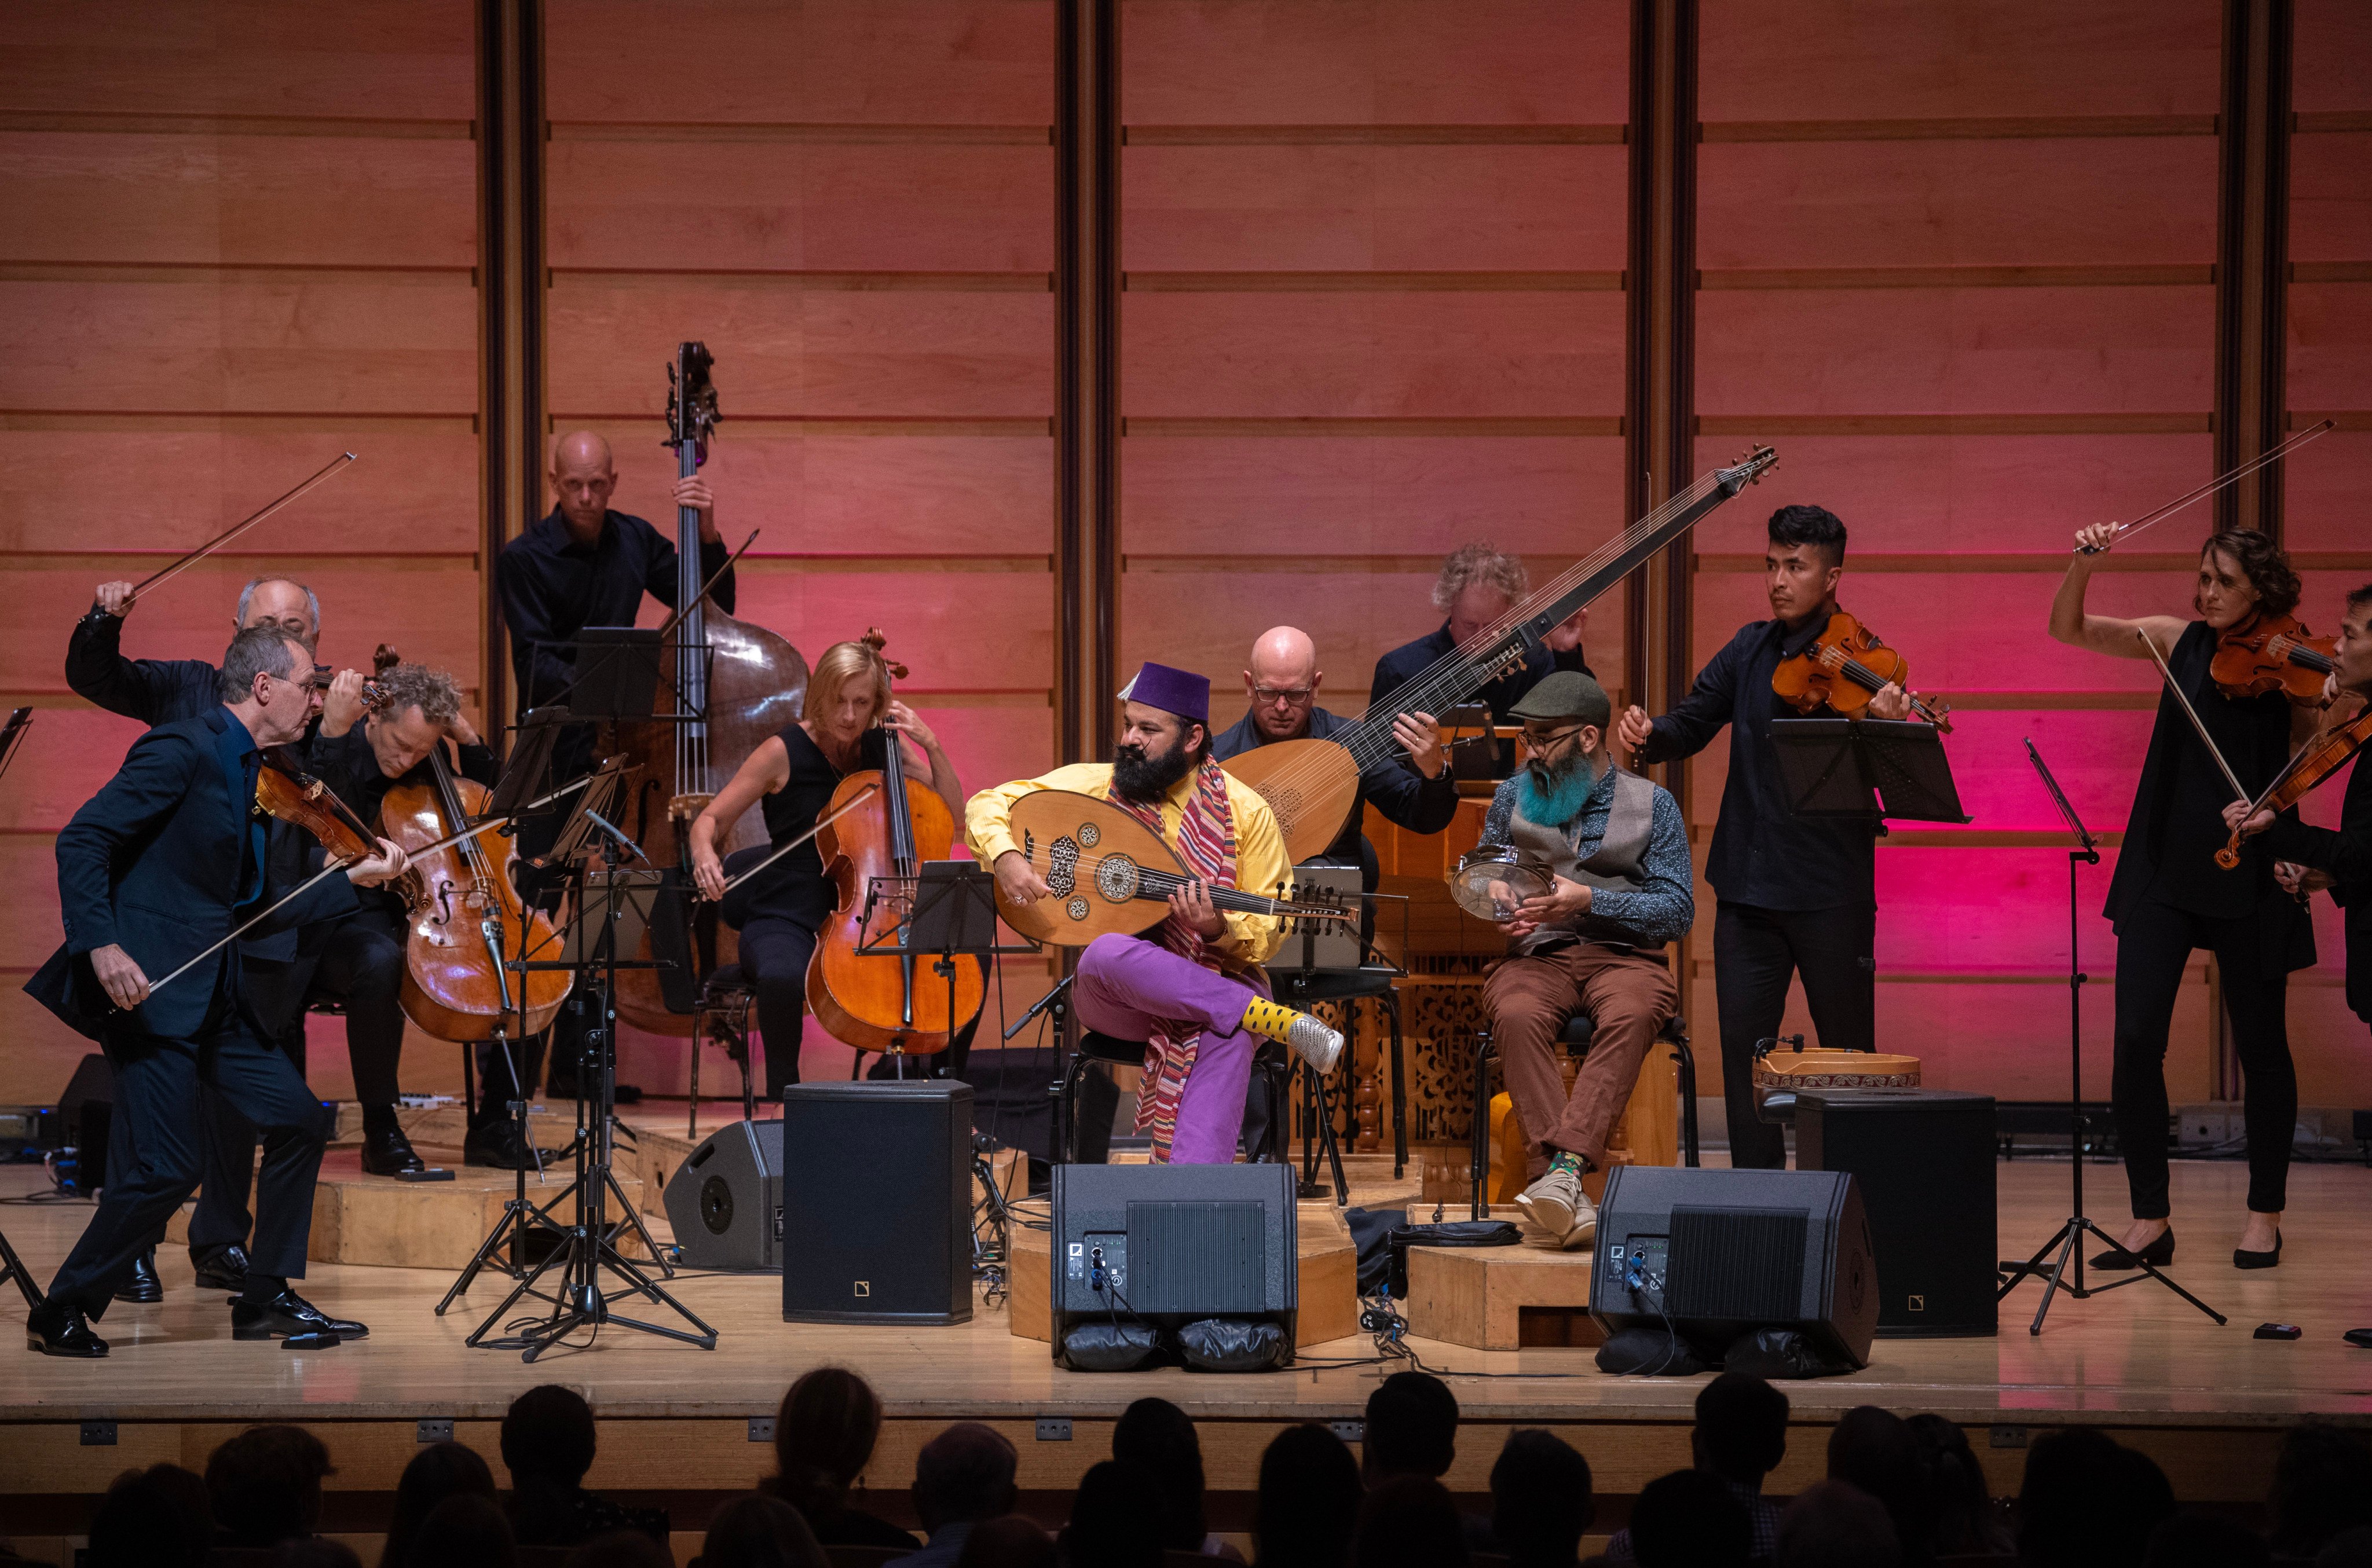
{"x": 1113, "y": 1051}
{"x": 722, "y": 1013}
{"x": 1575, "y": 1039}
{"x": 1300, "y": 988}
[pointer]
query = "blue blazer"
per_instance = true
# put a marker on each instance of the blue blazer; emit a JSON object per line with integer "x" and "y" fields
{"x": 152, "y": 862}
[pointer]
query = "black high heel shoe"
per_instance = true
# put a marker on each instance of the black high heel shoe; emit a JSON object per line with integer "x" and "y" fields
{"x": 2158, "y": 1254}
{"x": 2242, "y": 1259}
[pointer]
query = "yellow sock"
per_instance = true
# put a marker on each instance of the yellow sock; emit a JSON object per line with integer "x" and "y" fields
{"x": 1269, "y": 1021}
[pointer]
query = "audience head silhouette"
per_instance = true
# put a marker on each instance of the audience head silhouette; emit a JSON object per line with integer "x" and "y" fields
{"x": 964, "y": 1475}
{"x": 1412, "y": 1427}
{"x": 1113, "y": 1525}
{"x": 1012, "y": 1541}
{"x": 1688, "y": 1519}
{"x": 621, "y": 1549}
{"x": 1834, "y": 1524}
{"x": 1409, "y": 1521}
{"x": 759, "y": 1532}
{"x": 1158, "y": 1438}
{"x": 160, "y": 1517}
{"x": 1741, "y": 1430}
{"x": 1309, "y": 1503}
{"x": 823, "y": 1437}
{"x": 266, "y": 1486}
{"x": 2323, "y": 1485}
{"x": 1876, "y": 1450}
{"x": 1962, "y": 1504}
{"x": 2205, "y": 1540}
{"x": 1541, "y": 1501}
{"x": 439, "y": 1471}
{"x": 465, "y": 1531}
{"x": 547, "y": 1436}
{"x": 2085, "y": 1501}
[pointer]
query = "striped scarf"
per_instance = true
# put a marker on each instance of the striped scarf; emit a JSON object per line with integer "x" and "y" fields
{"x": 1206, "y": 843}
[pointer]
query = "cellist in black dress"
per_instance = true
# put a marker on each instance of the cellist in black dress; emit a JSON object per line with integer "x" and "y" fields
{"x": 2168, "y": 896}
{"x": 790, "y": 777}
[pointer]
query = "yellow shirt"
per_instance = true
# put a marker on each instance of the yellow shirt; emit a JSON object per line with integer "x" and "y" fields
{"x": 1261, "y": 866}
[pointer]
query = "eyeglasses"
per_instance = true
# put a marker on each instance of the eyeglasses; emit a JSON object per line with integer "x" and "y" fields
{"x": 1293, "y": 697}
{"x": 1537, "y": 738}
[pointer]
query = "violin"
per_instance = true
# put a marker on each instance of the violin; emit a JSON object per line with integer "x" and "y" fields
{"x": 2273, "y": 653}
{"x": 2319, "y": 758}
{"x": 1843, "y": 670}
{"x": 866, "y": 997}
{"x": 464, "y": 912}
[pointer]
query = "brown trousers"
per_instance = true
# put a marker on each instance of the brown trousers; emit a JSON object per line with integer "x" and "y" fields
{"x": 1630, "y": 995}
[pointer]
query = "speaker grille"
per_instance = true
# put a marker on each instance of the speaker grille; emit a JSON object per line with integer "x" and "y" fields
{"x": 1197, "y": 1257}
{"x": 1738, "y": 1264}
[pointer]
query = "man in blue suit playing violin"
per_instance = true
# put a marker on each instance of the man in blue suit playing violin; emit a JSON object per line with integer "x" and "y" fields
{"x": 156, "y": 870}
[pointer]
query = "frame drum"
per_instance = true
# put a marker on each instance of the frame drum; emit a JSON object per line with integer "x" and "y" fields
{"x": 1499, "y": 865}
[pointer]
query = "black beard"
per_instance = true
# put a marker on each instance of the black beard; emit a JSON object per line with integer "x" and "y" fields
{"x": 1138, "y": 777}
{"x": 1554, "y": 773}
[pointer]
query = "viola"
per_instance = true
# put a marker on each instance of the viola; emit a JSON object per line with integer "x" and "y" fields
{"x": 869, "y": 998}
{"x": 2273, "y": 653}
{"x": 2319, "y": 758}
{"x": 465, "y": 916}
{"x": 1844, "y": 668}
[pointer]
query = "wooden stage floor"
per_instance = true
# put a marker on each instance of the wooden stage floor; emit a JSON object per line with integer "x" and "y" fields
{"x": 2208, "y": 1402}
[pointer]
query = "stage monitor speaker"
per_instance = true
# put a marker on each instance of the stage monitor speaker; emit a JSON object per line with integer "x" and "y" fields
{"x": 1713, "y": 1254}
{"x": 1923, "y": 1162}
{"x": 726, "y": 1201}
{"x": 1171, "y": 1244}
{"x": 877, "y": 1201}
{"x": 79, "y": 1122}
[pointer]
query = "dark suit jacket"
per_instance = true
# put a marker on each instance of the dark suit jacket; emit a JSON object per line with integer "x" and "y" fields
{"x": 152, "y": 862}
{"x": 1410, "y": 660}
{"x": 2347, "y": 856}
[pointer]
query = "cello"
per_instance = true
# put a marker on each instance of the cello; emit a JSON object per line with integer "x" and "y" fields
{"x": 867, "y": 998}
{"x": 465, "y": 920}
{"x": 734, "y": 684}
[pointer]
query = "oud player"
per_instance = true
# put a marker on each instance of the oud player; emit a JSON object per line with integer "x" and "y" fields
{"x": 1191, "y": 988}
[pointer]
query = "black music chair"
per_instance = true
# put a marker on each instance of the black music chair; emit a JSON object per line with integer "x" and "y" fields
{"x": 1575, "y": 1039}
{"x": 1373, "y": 979}
{"x": 1112, "y": 1051}
{"x": 723, "y": 1015}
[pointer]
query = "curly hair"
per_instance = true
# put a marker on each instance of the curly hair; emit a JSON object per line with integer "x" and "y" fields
{"x": 1484, "y": 562}
{"x": 2263, "y": 563}
{"x": 404, "y": 686}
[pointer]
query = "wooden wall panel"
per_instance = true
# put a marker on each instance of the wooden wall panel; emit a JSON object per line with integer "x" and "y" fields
{"x": 1375, "y": 62}
{"x": 2330, "y": 350}
{"x": 814, "y": 63}
{"x": 1448, "y": 355}
{"x": 2334, "y": 58}
{"x": 1331, "y": 207}
{"x": 1781, "y": 61}
{"x": 237, "y": 238}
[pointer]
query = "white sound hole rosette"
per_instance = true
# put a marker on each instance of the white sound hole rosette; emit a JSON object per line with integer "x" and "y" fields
{"x": 1116, "y": 878}
{"x": 1090, "y": 835}
{"x": 1077, "y": 908}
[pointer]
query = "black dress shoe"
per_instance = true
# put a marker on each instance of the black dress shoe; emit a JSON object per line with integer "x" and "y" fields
{"x": 389, "y": 1153}
{"x": 496, "y": 1147}
{"x": 2360, "y": 1338}
{"x": 220, "y": 1268}
{"x": 142, "y": 1286}
{"x": 287, "y": 1314}
{"x": 2158, "y": 1254}
{"x": 56, "y": 1328}
{"x": 2246, "y": 1259}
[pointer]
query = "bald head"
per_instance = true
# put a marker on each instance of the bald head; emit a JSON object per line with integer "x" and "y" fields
{"x": 1281, "y": 682}
{"x": 581, "y": 481}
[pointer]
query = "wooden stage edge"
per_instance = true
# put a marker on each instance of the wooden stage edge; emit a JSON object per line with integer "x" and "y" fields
{"x": 2209, "y": 1402}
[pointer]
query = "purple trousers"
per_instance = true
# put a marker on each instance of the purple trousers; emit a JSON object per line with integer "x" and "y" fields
{"x": 1126, "y": 982}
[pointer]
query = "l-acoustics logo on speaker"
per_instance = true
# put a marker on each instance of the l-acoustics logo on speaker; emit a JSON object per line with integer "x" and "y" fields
{"x": 1918, "y": 1304}
{"x": 865, "y": 1287}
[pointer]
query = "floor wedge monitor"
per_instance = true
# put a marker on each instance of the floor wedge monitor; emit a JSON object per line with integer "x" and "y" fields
{"x": 877, "y": 1201}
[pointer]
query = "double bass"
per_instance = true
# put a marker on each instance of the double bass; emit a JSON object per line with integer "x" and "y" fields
{"x": 867, "y": 998}
{"x": 733, "y": 685}
{"x": 465, "y": 918}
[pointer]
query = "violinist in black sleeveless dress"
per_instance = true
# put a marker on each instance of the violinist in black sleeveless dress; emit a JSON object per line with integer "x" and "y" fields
{"x": 790, "y": 777}
{"x": 2168, "y": 896}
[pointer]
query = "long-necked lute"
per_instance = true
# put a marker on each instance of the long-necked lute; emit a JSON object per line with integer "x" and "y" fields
{"x": 1310, "y": 783}
{"x": 1111, "y": 874}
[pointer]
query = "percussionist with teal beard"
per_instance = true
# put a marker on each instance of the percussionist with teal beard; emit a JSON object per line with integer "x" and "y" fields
{"x": 1621, "y": 886}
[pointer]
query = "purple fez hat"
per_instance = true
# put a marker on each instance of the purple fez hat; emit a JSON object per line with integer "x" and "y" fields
{"x": 1172, "y": 691}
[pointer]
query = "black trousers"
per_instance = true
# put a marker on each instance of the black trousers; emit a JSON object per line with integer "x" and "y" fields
{"x": 227, "y": 1139}
{"x": 2154, "y": 941}
{"x": 775, "y": 954}
{"x": 160, "y": 1085}
{"x": 1755, "y": 953}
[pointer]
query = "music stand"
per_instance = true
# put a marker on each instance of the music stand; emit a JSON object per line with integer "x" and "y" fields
{"x": 2067, "y": 1240}
{"x": 952, "y": 915}
{"x": 537, "y": 732}
{"x": 1844, "y": 768}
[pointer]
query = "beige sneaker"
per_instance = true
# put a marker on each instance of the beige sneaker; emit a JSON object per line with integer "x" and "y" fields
{"x": 1557, "y": 1204}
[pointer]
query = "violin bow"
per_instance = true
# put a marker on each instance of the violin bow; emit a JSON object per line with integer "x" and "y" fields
{"x": 851, "y": 804}
{"x": 156, "y": 579}
{"x": 2212, "y": 485}
{"x": 2239, "y": 791}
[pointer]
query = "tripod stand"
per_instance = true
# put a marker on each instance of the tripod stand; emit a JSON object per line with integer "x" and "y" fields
{"x": 12, "y": 1266}
{"x": 2067, "y": 1271}
{"x": 587, "y": 1248}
